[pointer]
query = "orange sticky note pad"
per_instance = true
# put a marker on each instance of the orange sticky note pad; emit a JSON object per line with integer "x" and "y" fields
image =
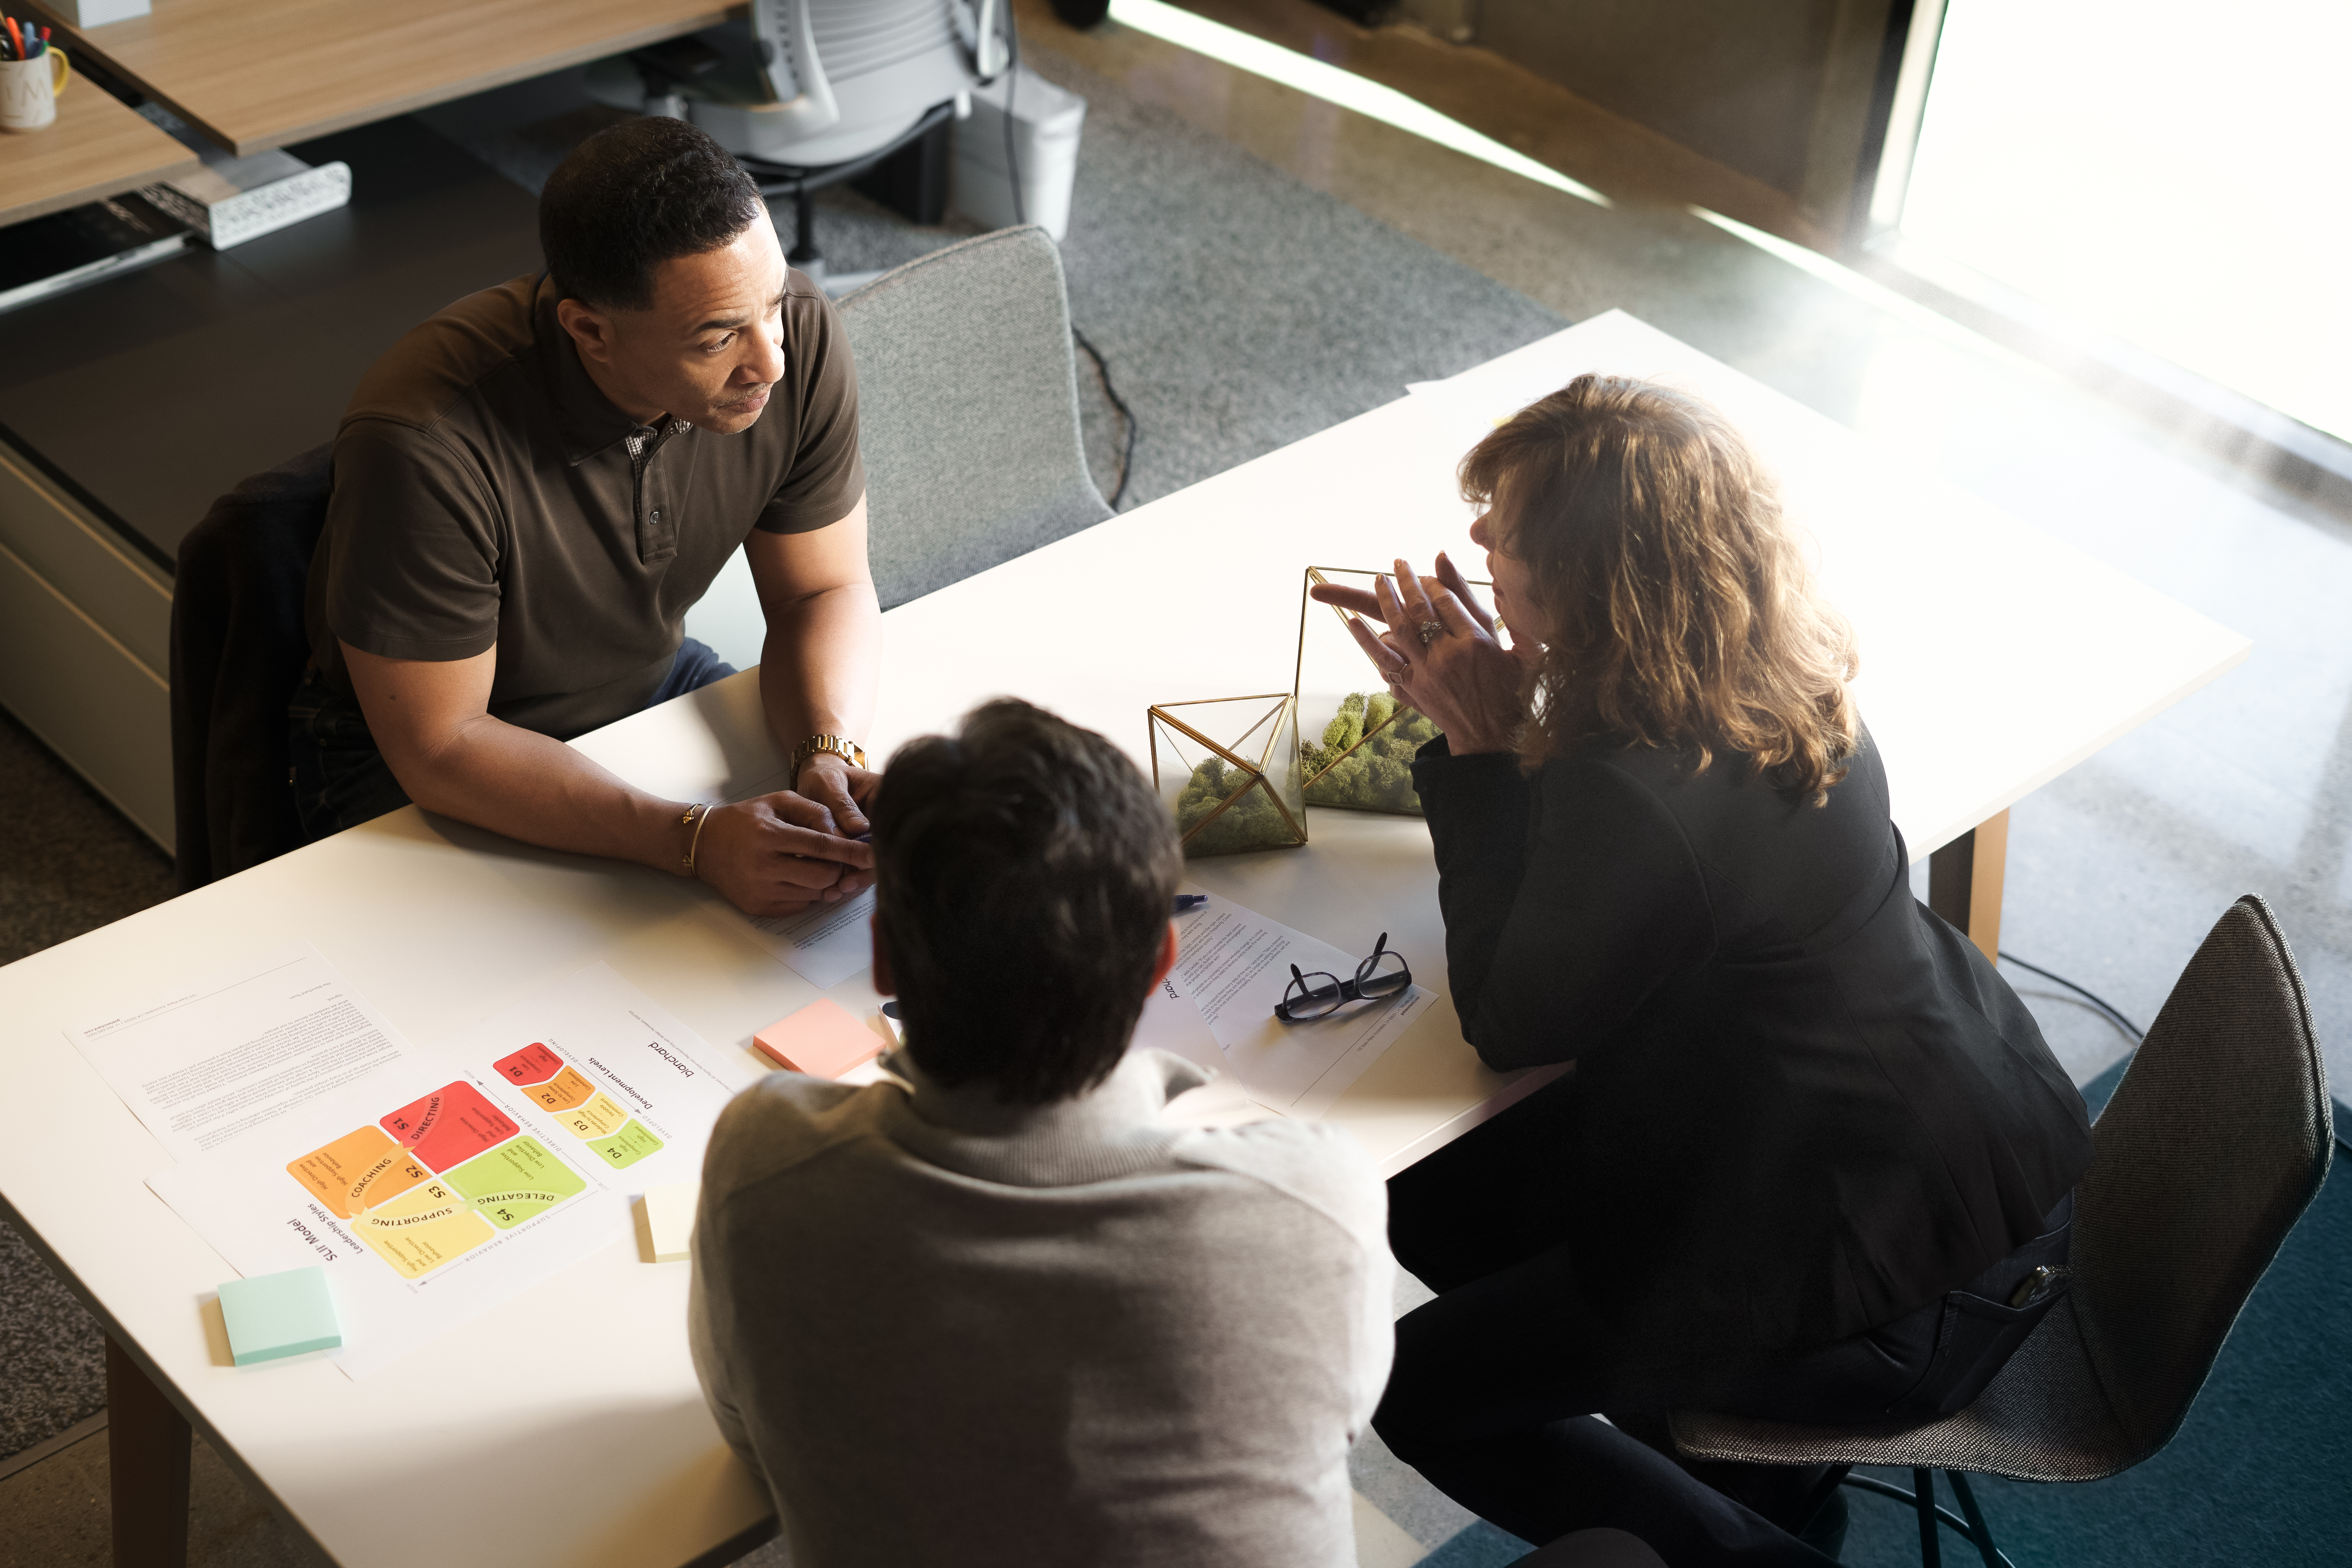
{"x": 821, "y": 1041}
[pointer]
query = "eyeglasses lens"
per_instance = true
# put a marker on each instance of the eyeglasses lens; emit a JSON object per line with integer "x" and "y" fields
{"x": 1313, "y": 995}
{"x": 1384, "y": 975}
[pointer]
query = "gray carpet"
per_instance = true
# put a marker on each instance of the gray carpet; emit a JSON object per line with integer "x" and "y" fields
{"x": 68, "y": 863}
{"x": 1238, "y": 311}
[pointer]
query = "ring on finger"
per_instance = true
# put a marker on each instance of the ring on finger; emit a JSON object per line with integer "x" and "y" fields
{"x": 1430, "y": 631}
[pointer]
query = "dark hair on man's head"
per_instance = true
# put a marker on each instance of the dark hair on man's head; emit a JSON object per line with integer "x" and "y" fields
{"x": 636, "y": 194}
{"x": 1022, "y": 872}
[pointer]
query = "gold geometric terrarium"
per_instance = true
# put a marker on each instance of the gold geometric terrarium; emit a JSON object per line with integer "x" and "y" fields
{"x": 1227, "y": 770}
{"x": 1358, "y": 741}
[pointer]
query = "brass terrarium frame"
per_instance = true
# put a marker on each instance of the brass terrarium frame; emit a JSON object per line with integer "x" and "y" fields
{"x": 1284, "y": 712}
{"x": 1315, "y": 577}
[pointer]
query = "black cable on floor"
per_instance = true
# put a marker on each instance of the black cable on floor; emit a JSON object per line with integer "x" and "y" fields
{"x": 1013, "y": 171}
{"x": 2096, "y": 1000}
{"x": 1012, "y": 80}
{"x": 1126, "y": 414}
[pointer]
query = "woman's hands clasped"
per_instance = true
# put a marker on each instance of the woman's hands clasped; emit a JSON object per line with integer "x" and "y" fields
{"x": 1440, "y": 654}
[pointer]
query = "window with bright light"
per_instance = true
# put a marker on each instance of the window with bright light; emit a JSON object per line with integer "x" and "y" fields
{"x": 2173, "y": 175}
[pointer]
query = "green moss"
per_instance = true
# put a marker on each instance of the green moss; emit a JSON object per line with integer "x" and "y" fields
{"x": 1378, "y": 776}
{"x": 1347, "y": 726}
{"x": 1252, "y": 822}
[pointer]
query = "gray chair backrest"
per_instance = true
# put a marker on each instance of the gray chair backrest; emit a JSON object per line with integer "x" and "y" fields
{"x": 968, "y": 411}
{"x": 2215, "y": 1142}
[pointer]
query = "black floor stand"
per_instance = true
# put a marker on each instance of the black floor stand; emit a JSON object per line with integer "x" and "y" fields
{"x": 1922, "y": 1498}
{"x": 909, "y": 172}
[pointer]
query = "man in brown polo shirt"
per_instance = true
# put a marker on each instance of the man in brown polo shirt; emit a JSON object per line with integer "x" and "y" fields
{"x": 533, "y": 487}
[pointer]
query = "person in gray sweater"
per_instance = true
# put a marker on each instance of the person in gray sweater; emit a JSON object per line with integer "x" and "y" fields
{"x": 1004, "y": 1310}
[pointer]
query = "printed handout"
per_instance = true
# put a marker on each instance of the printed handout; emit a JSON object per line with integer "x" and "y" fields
{"x": 825, "y": 945}
{"x": 600, "y": 1069}
{"x": 420, "y": 1192}
{"x": 1234, "y": 965}
{"x": 205, "y": 1063}
{"x": 1171, "y": 1023}
{"x": 436, "y": 1189}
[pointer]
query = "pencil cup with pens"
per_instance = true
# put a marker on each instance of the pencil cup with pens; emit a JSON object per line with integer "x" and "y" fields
{"x": 32, "y": 74}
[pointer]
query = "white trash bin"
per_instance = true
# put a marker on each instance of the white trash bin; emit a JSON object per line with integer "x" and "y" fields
{"x": 1045, "y": 121}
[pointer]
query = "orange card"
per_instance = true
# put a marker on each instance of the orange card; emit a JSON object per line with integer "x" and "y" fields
{"x": 821, "y": 1041}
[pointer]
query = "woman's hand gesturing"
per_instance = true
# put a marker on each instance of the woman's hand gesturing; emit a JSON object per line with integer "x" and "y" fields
{"x": 1440, "y": 655}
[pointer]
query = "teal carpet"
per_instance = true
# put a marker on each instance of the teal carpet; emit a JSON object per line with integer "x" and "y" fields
{"x": 2259, "y": 1474}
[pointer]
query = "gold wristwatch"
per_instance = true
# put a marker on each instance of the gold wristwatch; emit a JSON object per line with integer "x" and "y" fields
{"x": 841, "y": 746}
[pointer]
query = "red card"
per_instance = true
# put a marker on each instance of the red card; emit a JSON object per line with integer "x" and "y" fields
{"x": 450, "y": 1126}
{"x": 532, "y": 1063}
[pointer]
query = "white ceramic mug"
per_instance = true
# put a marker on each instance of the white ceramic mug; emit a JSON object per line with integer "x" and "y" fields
{"x": 29, "y": 88}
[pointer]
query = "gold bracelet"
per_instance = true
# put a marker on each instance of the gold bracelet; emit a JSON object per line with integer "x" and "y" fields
{"x": 841, "y": 746}
{"x": 695, "y": 816}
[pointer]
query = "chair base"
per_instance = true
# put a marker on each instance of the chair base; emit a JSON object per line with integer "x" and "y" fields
{"x": 1922, "y": 1499}
{"x": 802, "y": 183}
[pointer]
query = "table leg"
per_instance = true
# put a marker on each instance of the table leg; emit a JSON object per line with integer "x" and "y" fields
{"x": 1964, "y": 882}
{"x": 147, "y": 1453}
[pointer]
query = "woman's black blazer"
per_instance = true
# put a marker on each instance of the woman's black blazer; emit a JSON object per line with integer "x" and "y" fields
{"x": 1803, "y": 1104}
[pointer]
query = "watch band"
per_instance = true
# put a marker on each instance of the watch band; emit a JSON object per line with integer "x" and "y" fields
{"x": 841, "y": 746}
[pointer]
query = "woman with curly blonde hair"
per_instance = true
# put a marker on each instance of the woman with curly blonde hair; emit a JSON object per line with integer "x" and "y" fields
{"x": 1813, "y": 1149}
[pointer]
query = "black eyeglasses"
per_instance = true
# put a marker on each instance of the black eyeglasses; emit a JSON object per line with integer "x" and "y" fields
{"x": 1319, "y": 994}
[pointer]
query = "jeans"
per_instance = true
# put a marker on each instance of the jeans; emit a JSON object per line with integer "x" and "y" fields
{"x": 1497, "y": 1383}
{"x": 341, "y": 780}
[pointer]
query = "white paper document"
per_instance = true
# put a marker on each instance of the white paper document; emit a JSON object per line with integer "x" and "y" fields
{"x": 826, "y": 944}
{"x": 1234, "y": 965}
{"x": 597, "y": 1062}
{"x": 205, "y": 1063}
{"x": 823, "y": 944}
{"x": 438, "y": 1189}
{"x": 1171, "y": 1023}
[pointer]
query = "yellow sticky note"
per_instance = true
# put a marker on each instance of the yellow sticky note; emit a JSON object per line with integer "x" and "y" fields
{"x": 670, "y": 1218}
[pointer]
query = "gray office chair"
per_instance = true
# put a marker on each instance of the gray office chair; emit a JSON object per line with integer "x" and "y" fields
{"x": 809, "y": 93}
{"x": 968, "y": 411}
{"x": 2215, "y": 1142}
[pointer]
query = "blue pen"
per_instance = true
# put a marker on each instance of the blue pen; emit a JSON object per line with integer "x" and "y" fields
{"x": 1187, "y": 902}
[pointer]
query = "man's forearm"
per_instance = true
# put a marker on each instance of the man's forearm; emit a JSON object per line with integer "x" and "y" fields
{"x": 528, "y": 786}
{"x": 820, "y": 666}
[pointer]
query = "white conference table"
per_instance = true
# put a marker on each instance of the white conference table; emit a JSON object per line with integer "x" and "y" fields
{"x": 566, "y": 1427}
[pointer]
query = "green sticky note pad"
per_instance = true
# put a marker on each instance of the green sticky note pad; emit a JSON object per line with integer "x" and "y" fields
{"x": 273, "y": 1315}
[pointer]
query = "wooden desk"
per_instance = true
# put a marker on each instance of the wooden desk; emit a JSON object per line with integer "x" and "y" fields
{"x": 1997, "y": 656}
{"x": 253, "y": 74}
{"x": 97, "y": 147}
